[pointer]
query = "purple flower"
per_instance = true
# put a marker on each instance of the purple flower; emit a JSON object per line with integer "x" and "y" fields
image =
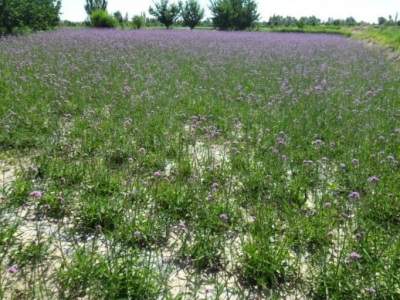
{"x": 215, "y": 186}
{"x": 157, "y": 174}
{"x": 373, "y": 179}
{"x": 354, "y": 256}
{"x": 370, "y": 290}
{"x": 355, "y": 161}
{"x": 36, "y": 194}
{"x": 359, "y": 235}
{"x": 142, "y": 151}
{"x": 342, "y": 165}
{"x": 330, "y": 233}
{"x": 12, "y": 270}
{"x": 223, "y": 217}
{"x": 98, "y": 227}
{"x": 327, "y": 205}
{"x": 354, "y": 195}
{"x": 137, "y": 234}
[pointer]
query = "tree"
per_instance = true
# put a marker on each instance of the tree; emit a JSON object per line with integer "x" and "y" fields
{"x": 382, "y": 20}
{"x": 92, "y": 5}
{"x": 19, "y": 15}
{"x": 138, "y": 21}
{"x": 119, "y": 18}
{"x": 234, "y": 14}
{"x": 350, "y": 21}
{"x": 164, "y": 12}
{"x": 192, "y": 13}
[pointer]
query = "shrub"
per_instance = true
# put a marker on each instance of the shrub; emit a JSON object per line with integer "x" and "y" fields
{"x": 101, "y": 19}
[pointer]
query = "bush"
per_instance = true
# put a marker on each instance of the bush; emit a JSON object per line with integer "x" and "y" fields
{"x": 101, "y": 19}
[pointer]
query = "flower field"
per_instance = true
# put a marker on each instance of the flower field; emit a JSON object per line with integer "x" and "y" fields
{"x": 162, "y": 164}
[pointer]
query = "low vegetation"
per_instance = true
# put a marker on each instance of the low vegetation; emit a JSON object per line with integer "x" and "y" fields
{"x": 198, "y": 165}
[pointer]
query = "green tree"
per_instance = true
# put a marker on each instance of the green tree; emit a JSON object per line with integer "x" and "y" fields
{"x": 28, "y": 14}
{"x": 138, "y": 21}
{"x": 92, "y": 5}
{"x": 234, "y": 14}
{"x": 119, "y": 18}
{"x": 350, "y": 21}
{"x": 382, "y": 20}
{"x": 165, "y": 12}
{"x": 192, "y": 13}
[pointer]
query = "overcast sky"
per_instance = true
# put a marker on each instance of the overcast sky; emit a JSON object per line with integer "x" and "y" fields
{"x": 361, "y": 10}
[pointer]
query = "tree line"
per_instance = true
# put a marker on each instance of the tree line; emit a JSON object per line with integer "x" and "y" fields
{"x": 226, "y": 14}
{"x": 20, "y": 16}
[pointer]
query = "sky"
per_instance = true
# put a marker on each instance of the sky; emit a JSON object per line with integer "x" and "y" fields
{"x": 361, "y": 10}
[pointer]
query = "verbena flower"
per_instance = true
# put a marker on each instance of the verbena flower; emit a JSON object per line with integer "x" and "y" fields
{"x": 354, "y": 256}
{"x": 370, "y": 290}
{"x": 354, "y": 195}
{"x": 223, "y": 217}
{"x": 373, "y": 179}
{"x": 36, "y": 194}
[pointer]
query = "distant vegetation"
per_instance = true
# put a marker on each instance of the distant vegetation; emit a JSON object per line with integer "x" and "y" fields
{"x": 22, "y": 16}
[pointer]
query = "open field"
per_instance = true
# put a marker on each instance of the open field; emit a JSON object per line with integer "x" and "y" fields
{"x": 198, "y": 165}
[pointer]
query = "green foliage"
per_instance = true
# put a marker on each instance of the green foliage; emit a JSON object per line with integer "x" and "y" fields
{"x": 118, "y": 17}
{"x": 92, "y": 5}
{"x": 192, "y": 13}
{"x": 234, "y": 14}
{"x": 21, "y": 16}
{"x": 138, "y": 21}
{"x": 301, "y": 23}
{"x": 164, "y": 12}
{"x": 101, "y": 19}
{"x": 382, "y": 20}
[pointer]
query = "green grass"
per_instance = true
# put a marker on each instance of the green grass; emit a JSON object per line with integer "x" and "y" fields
{"x": 323, "y": 29}
{"x": 387, "y": 36}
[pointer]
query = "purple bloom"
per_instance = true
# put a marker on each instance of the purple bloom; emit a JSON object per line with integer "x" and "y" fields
{"x": 330, "y": 233}
{"x": 137, "y": 234}
{"x": 223, "y": 217}
{"x": 215, "y": 186}
{"x": 142, "y": 151}
{"x": 370, "y": 290}
{"x": 157, "y": 174}
{"x": 12, "y": 270}
{"x": 327, "y": 205}
{"x": 373, "y": 179}
{"x": 36, "y": 194}
{"x": 354, "y": 195}
{"x": 98, "y": 227}
{"x": 354, "y": 256}
{"x": 342, "y": 165}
